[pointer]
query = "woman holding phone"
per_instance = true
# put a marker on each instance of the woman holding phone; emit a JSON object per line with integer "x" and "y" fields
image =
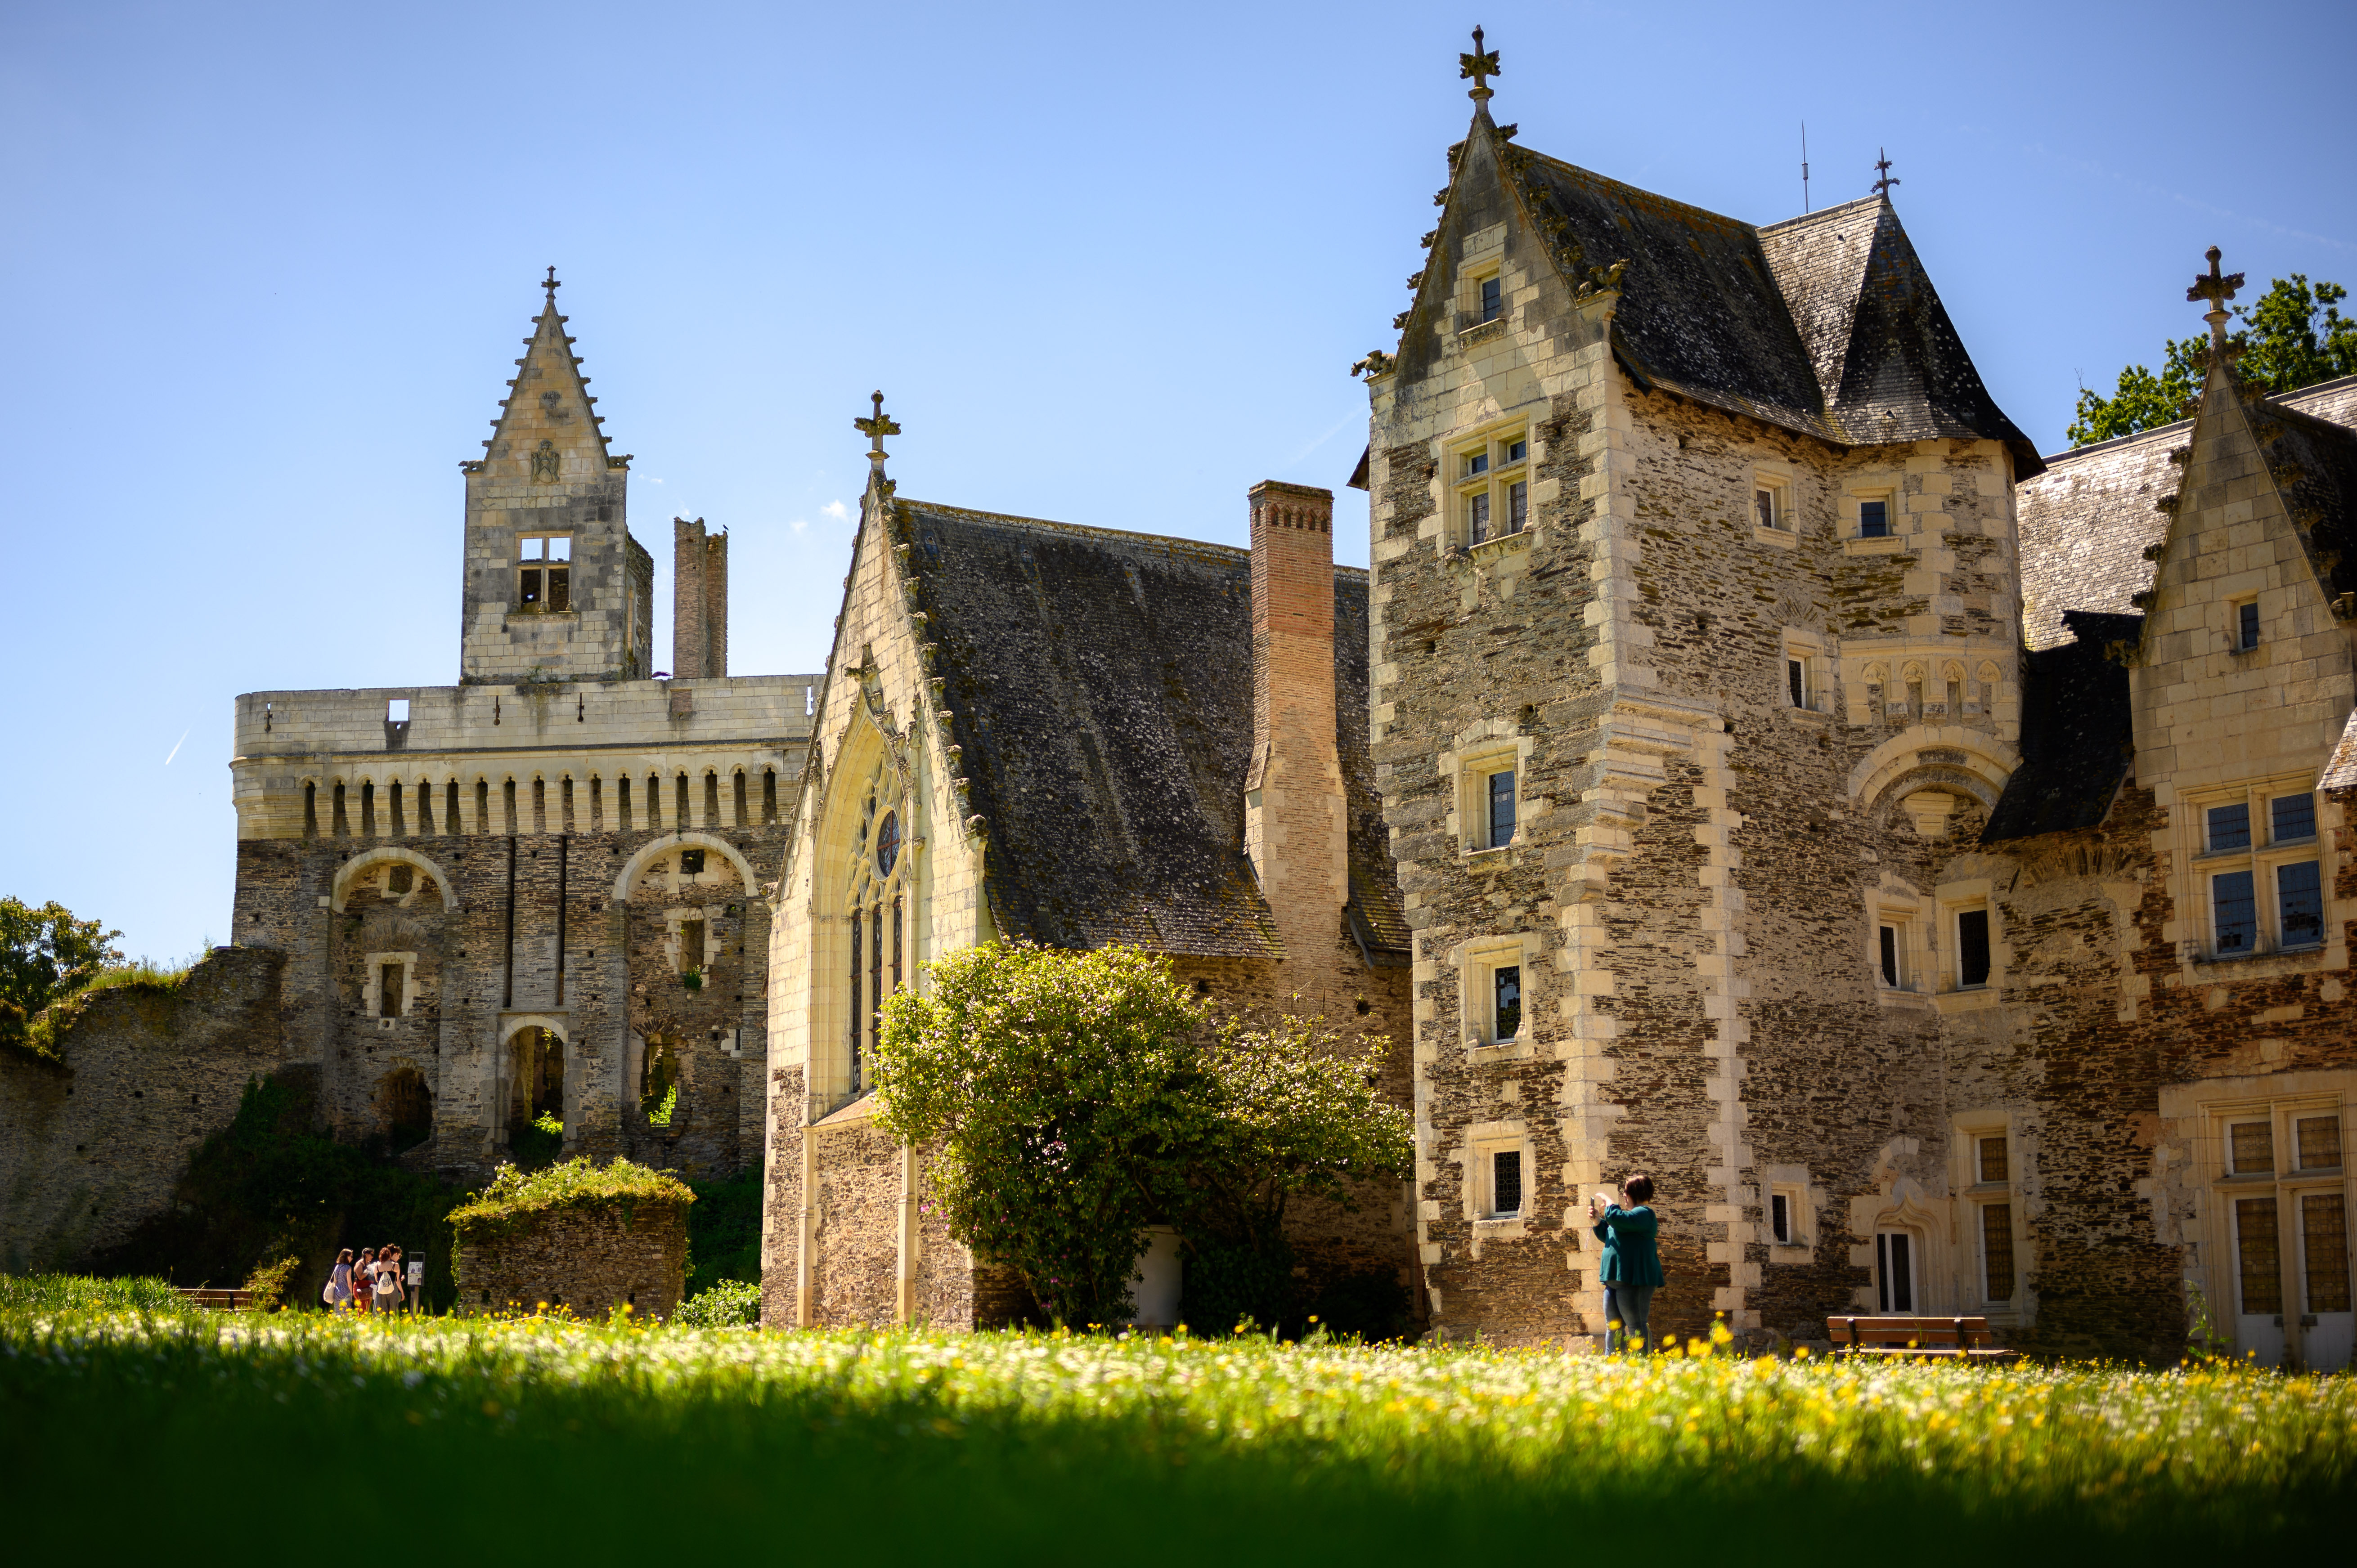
{"x": 1632, "y": 1272}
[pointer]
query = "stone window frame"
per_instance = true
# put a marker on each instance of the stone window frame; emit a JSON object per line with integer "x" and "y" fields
{"x": 520, "y": 563}
{"x": 1488, "y": 748}
{"x": 1482, "y": 260}
{"x": 2194, "y": 1117}
{"x": 1804, "y": 1199}
{"x": 1954, "y": 900}
{"x": 1808, "y": 648}
{"x": 1892, "y": 903}
{"x": 2263, "y": 857}
{"x": 1974, "y": 1196}
{"x": 1491, "y": 441}
{"x": 2236, "y": 642}
{"x": 1777, "y": 479}
{"x": 1478, "y": 960}
{"x": 373, "y": 986}
{"x": 1484, "y": 1141}
{"x": 1854, "y": 494}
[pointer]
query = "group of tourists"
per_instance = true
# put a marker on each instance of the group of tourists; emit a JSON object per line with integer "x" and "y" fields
{"x": 371, "y": 1283}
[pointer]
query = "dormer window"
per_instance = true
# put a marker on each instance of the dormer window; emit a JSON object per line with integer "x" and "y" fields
{"x": 544, "y": 572}
{"x": 1491, "y": 299}
{"x": 1874, "y": 517}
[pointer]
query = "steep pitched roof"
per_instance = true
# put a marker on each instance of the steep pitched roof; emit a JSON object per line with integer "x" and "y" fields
{"x": 1825, "y": 324}
{"x": 1101, "y": 684}
{"x": 2078, "y": 731}
{"x": 2086, "y": 522}
{"x": 549, "y": 400}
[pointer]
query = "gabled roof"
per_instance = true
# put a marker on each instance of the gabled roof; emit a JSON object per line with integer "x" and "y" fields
{"x": 2086, "y": 522}
{"x": 1101, "y": 689}
{"x": 1825, "y": 324}
{"x": 526, "y": 417}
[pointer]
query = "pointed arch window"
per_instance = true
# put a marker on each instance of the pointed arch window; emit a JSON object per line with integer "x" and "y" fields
{"x": 876, "y": 906}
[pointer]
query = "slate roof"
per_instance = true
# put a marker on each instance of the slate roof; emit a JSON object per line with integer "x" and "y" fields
{"x": 1101, "y": 688}
{"x": 2078, "y": 731}
{"x": 2086, "y": 522}
{"x": 2341, "y": 773}
{"x": 1825, "y": 324}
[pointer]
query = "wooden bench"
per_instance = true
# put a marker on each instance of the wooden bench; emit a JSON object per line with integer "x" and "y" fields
{"x": 217, "y": 1300}
{"x": 1960, "y": 1338}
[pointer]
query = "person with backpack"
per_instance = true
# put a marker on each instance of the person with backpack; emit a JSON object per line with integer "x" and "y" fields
{"x": 1631, "y": 1270}
{"x": 339, "y": 1294}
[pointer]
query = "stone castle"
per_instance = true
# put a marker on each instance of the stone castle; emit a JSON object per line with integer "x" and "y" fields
{"x": 1747, "y": 760}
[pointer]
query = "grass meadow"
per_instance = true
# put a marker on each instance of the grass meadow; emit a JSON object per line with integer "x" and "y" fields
{"x": 122, "y": 1426}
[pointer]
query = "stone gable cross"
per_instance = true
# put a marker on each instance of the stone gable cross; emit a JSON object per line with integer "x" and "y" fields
{"x": 875, "y": 429}
{"x": 551, "y": 285}
{"x": 2217, "y": 290}
{"x": 1479, "y": 68}
{"x": 1882, "y": 167}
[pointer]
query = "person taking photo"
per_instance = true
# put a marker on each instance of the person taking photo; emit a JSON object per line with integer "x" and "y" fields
{"x": 1631, "y": 1270}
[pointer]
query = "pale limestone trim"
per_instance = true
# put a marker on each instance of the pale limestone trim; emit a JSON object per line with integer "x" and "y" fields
{"x": 2192, "y": 1197}
{"x": 371, "y": 985}
{"x": 1967, "y": 1130}
{"x": 1490, "y": 747}
{"x": 1481, "y": 1140}
{"x": 348, "y": 875}
{"x": 1954, "y": 900}
{"x": 687, "y": 839}
{"x": 1982, "y": 769}
{"x": 1476, "y": 959}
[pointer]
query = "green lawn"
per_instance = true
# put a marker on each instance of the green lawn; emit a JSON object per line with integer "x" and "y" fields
{"x": 543, "y": 1437}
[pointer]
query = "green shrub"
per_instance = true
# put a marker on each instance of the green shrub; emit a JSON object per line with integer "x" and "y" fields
{"x": 537, "y": 1142}
{"x": 514, "y": 1193}
{"x": 731, "y": 1304}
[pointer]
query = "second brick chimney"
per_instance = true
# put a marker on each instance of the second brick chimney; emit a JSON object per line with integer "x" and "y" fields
{"x": 699, "y": 602}
{"x": 1295, "y": 822}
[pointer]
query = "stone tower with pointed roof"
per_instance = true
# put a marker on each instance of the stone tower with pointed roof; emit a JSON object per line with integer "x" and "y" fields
{"x": 555, "y": 586}
{"x": 1693, "y": 595}
{"x": 537, "y": 897}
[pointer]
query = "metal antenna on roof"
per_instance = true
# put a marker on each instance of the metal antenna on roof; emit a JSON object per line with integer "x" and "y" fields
{"x": 1882, "y": 165}
{"x": 1804, "y": 165}
{"x": 1479, "y": 68}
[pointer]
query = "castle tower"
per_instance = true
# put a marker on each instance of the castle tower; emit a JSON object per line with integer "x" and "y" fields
{"x": 555, "y": 589}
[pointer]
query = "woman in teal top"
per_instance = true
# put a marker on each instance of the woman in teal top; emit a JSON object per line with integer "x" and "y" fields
{"x": 1631, "y": 1270}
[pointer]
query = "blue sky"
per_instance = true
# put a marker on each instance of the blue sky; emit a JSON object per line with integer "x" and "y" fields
{"x": 265, "y": 268}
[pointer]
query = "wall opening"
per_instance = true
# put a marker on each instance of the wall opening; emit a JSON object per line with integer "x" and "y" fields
{"x": 404, "y": 1107}
{"x": 392, "y": 798}
{"x": 508, "y": 803}
{"x": 597, "y": 804}
{"x": 741, "y": 817}
{"x": 311, "y": 809}
{"x": 368, "y": 809}
{"x": 540, "y": 805}
{"x": 768, "y": 794}
{"x": 711, "y": 799}
{"x": 536, "y": 1082}
{"x": 622, "y": 802}
{"x": 450, "y": 809}
{"x": 679, "y": 813}
{"x": 482, "y": 805}
{"x": 343, "y": 827}
{"x": 659, "y": 1081}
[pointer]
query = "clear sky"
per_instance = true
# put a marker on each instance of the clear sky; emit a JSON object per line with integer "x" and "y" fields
{"x": 265, "y": 268}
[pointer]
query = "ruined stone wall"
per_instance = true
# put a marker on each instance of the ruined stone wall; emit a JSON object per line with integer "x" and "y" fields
{"x": 856, "y": 1222}
{"x": 589, "y": 1259}
{"x": 92, "y": 1147}
{"x": 476, "y": 935}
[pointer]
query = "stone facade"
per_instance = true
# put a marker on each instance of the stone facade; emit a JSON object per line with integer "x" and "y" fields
{"x": 544, "y": 890}
{"x": 94, "y": 1143}
{"x": 589, "y": 1259}
{"x": 1744, "y": 846}
{"x": 1072, "y": 736}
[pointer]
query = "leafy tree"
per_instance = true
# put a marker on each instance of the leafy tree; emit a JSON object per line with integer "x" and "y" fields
{"x": 45, "y": 954}
{"x": 1074, "y": 1099}
{"x": 2293, "y": 336}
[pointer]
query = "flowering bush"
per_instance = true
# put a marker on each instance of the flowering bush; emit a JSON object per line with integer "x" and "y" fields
{"x": 731, "y": 1304}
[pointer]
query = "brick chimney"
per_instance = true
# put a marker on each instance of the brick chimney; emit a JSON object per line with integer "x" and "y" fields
{"x": 1295, "y": 822}
{"x": 699, "y": 601}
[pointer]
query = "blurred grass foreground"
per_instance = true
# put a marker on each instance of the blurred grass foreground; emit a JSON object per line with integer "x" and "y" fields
{"x": 484, "y": 1436}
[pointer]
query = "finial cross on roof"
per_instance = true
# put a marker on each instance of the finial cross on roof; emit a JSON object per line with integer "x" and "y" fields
{"x": 1479, "y": 66}
{"x": 2211, "y": 286}
{"x": 875, "y": 429}
{"x": 2217, "y": 288}
{"x": 1882, "y": 167}
{"x": 551, "y": 284}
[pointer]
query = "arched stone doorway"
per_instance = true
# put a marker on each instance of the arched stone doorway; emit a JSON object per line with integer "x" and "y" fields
{"x": 404, "y": 1107}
